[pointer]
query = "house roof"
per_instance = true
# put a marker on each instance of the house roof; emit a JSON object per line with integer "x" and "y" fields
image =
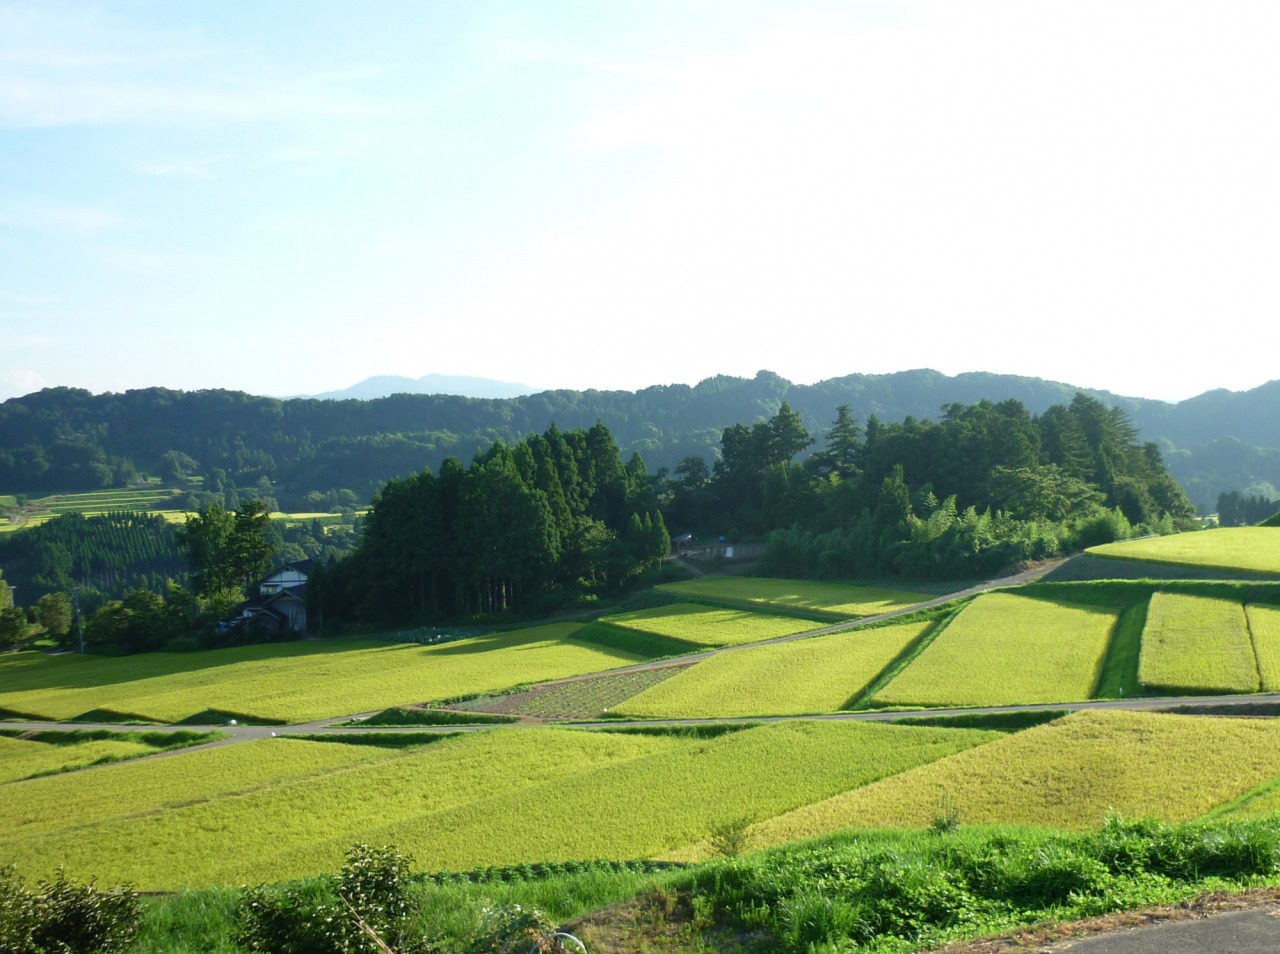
{"x": 260, "y": 604}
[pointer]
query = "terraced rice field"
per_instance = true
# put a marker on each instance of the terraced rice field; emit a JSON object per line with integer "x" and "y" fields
{"x": 1197, "y": 644}
{"x": 1264, "y": 626}
{"x": 103, "y": 501}
{"x": 44, "y": 806}
{"x": 817, "y": 675}
{"x": 1251, "y": 549}
{"x": 581, "y": 699}
{"x": 149, "y": 499}
{"x": 703, "y": 626}
{"x": 1068, "y": 774}
{"x": 1005, "y": 649}
{"x": 1262, "y": 802}
{"x": 835, "y": 601}
{"x": 294, "y": 682}
{"x": 282, "y": 808}
{"x": 23, "y": 758}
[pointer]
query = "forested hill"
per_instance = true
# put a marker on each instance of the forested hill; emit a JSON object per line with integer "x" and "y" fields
{"x": 63, "y": 438}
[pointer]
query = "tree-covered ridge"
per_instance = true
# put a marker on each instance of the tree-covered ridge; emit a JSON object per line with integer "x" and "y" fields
{"x": 64, "y": 438}
{"x": 986, "y": 486}
{"x": 525, "y": 527}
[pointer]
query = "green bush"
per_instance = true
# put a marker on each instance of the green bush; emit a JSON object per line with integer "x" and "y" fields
{"x": 366, "y": 911}
{"x": 515, "y": 929}
{"x": 65, "y": 917}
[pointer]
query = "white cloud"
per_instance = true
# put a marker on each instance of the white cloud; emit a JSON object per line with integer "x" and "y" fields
{"x": 26, "y": 102}
{"x": 180, "y": 168}
{"x": 72, "y": 66}
{"x": 62, "y": 217}
{"x": 945, "y": 191}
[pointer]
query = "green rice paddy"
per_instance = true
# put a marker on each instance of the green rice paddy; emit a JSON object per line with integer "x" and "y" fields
{"x": 1250, "y": 549}
{"x": 293, "y": 682}
{"x": 707, "y": 626}
{"x": 487, "y": 798}
{"x": 1067, "y": 774}
{"x": 816, "y": 675}
{"x": 1197, "y": 644}
{"x": 284, "y": 808}
{"x": 1264, "y": 627}
{"x": 149, "y": 499}
{"x": 1005, "y": 649}
{"x": 24, "y": 758}
{"x": 824, "y": 600}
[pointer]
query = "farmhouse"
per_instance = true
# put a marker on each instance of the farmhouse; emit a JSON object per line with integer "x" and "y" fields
{"x": 281, "y": 600}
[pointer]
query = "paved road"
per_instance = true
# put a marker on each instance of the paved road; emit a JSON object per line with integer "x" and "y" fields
{"x": 1255, "y": 931}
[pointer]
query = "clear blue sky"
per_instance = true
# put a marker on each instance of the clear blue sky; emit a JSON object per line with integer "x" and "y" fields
{"x": 290, "y": 197}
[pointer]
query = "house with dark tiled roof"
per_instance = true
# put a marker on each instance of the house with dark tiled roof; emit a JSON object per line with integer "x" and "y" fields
{"x": 281, "y": 598}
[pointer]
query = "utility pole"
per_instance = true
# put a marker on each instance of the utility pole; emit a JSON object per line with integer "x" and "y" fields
{"x": 75, "y": 603}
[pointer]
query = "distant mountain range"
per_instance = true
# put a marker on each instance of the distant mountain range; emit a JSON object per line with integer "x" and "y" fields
{"x": 385, "y": 385}
{"x": 67, "y": 438}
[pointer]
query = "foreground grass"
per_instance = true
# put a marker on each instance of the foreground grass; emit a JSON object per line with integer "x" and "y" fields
{"x": 495, "y": 797}
{"x": 296, "y": 682}
{"x": 1251, "y": 549}
{"x": 1067, "y": 774}
{"x": 900, "y": 892}
{"x": 885, "y": 891}
{"x": 703, "y": 626}
{"x": 816, "y": 675}
{"x": 1197, "y": 644}
{"x": 826, "y": 600}
{"x": 1005, "y": 649}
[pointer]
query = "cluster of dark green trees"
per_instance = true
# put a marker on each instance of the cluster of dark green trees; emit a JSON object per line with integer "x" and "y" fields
{"x": 526, "y": 527}
{"x": 107, "y": 556}
{"x": 987, "y": 486}
{"x": 103, "y": 555}
{"x": 138, "y": 583}
{"x": 1238, "y": 510}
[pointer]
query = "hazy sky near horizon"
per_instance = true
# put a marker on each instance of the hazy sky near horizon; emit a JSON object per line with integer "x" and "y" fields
{"x": 289, "y": 197}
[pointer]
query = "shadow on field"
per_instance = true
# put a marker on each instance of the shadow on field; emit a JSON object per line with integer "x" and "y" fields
{"x": 74, "y": 671}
